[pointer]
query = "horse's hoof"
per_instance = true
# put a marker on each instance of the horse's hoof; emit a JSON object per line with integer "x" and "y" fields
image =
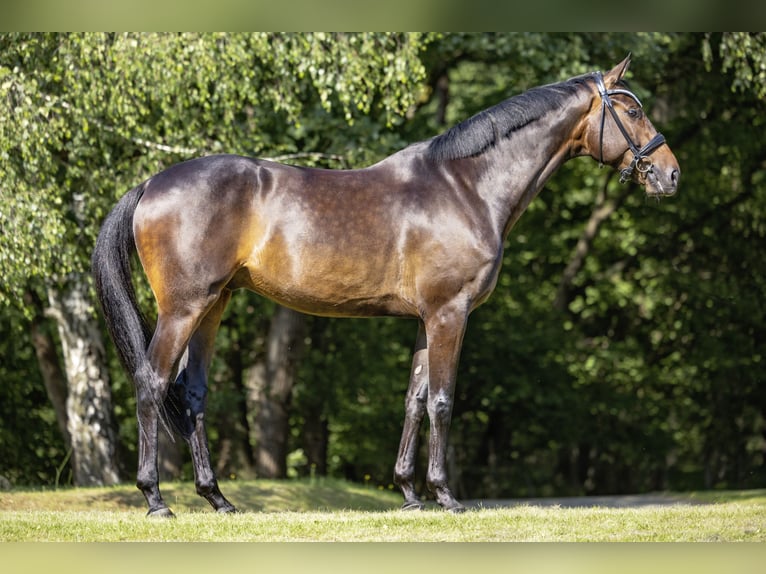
{"x": 459, "y": 509}
{"x": 413, "y": 505}
{"x": 227, "y": 510}
{"x": 162, "y": 512}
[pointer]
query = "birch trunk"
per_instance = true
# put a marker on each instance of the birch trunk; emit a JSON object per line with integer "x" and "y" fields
{"x": 90, "y": 419}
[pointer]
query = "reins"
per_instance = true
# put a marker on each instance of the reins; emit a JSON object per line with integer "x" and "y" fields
{"x": 639, "y": 155}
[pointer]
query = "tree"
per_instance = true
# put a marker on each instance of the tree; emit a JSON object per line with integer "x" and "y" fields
{"x": 269, "y": 391}
{"x": 646, "y": 379}
{"x": 96, "y": 113}
{"x": 621, "y": 351}
{"x": 34, "y": 151}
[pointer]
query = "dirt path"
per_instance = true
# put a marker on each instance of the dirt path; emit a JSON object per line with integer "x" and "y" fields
{"x": 616, "y": 501}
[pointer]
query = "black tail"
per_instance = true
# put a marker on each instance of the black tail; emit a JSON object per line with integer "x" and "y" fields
{"x": 111, "y": 270}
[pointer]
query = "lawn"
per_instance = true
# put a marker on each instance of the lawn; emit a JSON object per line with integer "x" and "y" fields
{"x": 332, "y": 510}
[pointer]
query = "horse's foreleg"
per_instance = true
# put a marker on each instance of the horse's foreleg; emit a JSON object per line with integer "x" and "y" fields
{"x": 414, "y": 410}
{"x": 445, "y": 332}
{"x": 194, "y": 400}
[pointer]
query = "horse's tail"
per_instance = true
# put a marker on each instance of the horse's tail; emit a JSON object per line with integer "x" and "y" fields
{"x": 111, "y": 270}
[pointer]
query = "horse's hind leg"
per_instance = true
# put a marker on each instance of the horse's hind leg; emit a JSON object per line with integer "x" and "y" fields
{"x": 187, "y": 398}
{"x": 172, "y": 337}
{"x": 414, "y": 409}
{"x": 165, "y": 350}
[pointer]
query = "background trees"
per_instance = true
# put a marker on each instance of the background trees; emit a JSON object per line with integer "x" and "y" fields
{"x": 90, "y": 115}
{"x": 620, "y": 352}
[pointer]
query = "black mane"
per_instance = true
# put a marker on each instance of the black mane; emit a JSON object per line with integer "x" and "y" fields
{"x": 477, "y": 134}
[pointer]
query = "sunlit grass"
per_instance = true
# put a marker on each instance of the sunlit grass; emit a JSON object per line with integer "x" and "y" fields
{"x": 727, "y": 522}
{"x": 338, "y": 511}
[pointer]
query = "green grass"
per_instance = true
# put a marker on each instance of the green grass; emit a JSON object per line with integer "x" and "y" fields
{"x": 248, "y": 495}
{"x": 330, "y": 510}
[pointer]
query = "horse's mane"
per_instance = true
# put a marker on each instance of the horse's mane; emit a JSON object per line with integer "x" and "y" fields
{"x": 483, "y": 131}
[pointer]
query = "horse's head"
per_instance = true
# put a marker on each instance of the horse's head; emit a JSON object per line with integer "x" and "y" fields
{"x": 619, "y": 133}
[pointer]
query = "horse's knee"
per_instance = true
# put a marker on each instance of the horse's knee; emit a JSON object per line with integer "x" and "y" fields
{"x": 440, "y": 408}
{"x": 415, "y": 408}
{"x": 416, "y": 398}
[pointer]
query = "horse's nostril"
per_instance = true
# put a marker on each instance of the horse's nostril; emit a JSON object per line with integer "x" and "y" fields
{"x": 674, "y": 177}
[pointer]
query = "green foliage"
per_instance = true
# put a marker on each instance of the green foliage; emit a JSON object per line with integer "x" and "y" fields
{"x": 357, "y": 373}
{"x": 647, "y": 377}
{"x": 94, "y": 114}
{"x": 745, "y": 54}
{"x": 30, "y": 445}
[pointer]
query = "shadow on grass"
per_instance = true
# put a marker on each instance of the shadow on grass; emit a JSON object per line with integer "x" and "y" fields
{"x": 258, "y": 496}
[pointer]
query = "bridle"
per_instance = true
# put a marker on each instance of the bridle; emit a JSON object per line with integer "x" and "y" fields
{"x": 640, "y": 160}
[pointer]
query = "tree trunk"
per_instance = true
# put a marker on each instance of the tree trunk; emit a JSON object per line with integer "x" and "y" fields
{"x": 316, "y": 435}
{"x": 269, "y": 390}
{"x": 89, "y": 402}
{"x": 53, "y": 375}
{"x": 235, "y": 456}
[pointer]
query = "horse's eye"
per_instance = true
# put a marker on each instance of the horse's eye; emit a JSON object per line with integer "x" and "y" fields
{"x": 634, "y": 113}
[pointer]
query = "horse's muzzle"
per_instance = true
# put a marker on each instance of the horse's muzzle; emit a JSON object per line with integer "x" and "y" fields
{"x": 659, "y": 186}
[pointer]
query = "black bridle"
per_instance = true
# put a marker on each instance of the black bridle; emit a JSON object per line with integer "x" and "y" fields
{"x": 640, "y": 156}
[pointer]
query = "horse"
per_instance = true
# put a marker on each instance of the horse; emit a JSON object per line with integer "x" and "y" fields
{"x": 419, "y": 234}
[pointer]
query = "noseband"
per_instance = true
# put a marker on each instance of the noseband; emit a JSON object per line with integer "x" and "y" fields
{"x": 640, "y": 156}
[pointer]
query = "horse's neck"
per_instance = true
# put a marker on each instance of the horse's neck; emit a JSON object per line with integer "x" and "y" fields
{"x": 517, "y": 169}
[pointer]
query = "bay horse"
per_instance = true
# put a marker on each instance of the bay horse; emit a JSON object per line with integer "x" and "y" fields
{"x": 419, "y": 234}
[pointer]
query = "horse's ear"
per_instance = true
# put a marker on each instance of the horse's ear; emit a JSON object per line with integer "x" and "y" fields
{"x": 615, "y": 74}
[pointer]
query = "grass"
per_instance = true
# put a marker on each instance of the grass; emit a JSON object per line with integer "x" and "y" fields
{"x": 331, "y": 510}
{"x": 248, "y": 495}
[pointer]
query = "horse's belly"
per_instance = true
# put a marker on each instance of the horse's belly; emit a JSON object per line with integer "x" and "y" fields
{"x": 329, "y": 286}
